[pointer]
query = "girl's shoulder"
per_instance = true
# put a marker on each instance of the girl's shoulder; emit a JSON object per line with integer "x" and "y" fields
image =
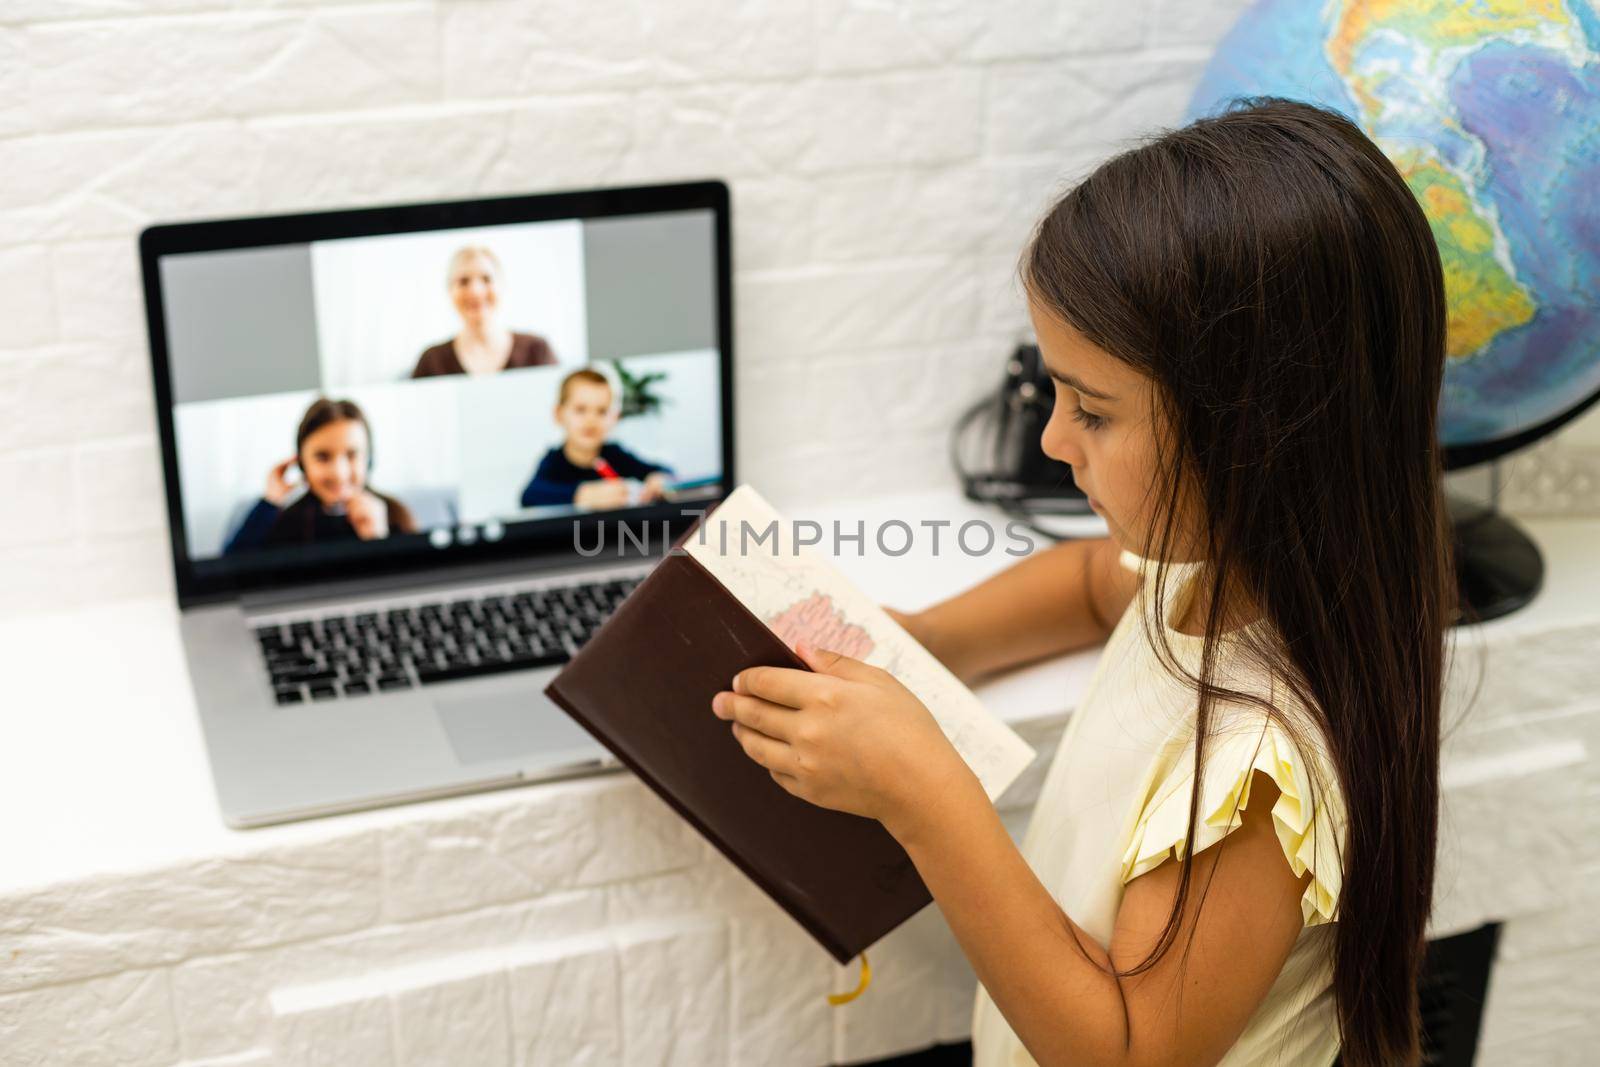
{"x": 1160, "y": 597}
{"x": 1265, "y": 729}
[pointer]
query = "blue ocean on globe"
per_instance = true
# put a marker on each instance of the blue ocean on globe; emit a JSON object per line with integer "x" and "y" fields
{"x": 1491, "y": 110}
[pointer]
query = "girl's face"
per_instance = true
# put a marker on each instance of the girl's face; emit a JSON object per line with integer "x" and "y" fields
{"x": 334, "y": 459}
{"x": 472, "y": 287}
{"x": 586, "y": 414}
{"x": 1104, "y": 427}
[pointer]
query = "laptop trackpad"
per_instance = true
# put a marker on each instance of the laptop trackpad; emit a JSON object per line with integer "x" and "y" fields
{"x": 509, "y": 723}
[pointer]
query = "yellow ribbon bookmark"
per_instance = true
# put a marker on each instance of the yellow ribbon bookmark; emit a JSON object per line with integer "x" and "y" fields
{"x": 866, "y": 979}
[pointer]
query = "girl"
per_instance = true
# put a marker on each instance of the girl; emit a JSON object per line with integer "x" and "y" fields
{"x": 333, "y": 449}
{"x": 1231, "y": 858}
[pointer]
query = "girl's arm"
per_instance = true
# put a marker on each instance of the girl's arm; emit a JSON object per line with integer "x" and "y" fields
{"x": 849, "y": 736}
{"x": 1030, "y": 955}
{"x": 1068, "y": 596}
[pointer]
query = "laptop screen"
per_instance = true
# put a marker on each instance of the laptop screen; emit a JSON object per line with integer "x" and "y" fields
{"x": 435, "y": 389}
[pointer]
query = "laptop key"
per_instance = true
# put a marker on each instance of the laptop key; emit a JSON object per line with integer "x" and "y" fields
{"x": 324, "y": 692}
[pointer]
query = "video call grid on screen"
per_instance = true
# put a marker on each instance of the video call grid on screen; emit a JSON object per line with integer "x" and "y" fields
{"x": 256, "y": 336}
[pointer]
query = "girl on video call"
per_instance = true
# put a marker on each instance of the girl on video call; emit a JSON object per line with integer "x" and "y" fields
{"x": 483, "y": 345}
{"x": 1231, "y": 859}
{"x": 333, "y": 450}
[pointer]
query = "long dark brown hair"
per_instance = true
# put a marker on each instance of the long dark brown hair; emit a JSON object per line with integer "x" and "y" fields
{"x": 1268, "y": 268}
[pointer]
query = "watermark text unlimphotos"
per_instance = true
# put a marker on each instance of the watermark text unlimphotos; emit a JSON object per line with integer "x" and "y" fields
{"x": 892, "y": 537}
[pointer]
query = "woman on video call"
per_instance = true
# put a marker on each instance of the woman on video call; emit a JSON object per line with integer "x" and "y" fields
{"x": 483, "y": 346}
{"x": 333, "y": 449}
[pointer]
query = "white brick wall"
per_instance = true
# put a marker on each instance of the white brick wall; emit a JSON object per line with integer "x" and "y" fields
{"x": 886, "y": 158}
{"x": 624, "y": 939}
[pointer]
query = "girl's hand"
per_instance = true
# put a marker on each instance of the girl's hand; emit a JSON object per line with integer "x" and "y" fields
{"x": 278, "y": 487}
{"x": 369, "y": 516}
{"x": 848, "y": 737}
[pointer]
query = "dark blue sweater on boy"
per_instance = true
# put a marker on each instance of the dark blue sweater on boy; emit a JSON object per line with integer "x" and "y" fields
{"x": 557, "y": 477}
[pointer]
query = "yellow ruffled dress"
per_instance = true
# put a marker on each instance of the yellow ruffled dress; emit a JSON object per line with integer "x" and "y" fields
{"x": 1115, "y": 804}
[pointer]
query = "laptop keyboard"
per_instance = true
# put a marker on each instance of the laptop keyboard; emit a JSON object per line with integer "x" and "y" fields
{"x": 330, "y": 657}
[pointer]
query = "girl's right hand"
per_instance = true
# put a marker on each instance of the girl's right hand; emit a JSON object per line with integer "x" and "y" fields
{"x": 368, "y": 516}
{"x": 278, "y": 485}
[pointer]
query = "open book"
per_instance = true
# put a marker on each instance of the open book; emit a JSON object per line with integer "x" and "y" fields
{"x": 738, "y": 590}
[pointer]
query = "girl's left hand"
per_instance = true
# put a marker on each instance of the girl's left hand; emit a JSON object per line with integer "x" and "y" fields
{"x": 848, "y": 737}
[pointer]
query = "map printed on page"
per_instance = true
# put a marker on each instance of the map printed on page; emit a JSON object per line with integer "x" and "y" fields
{"x": 753, "y": 551}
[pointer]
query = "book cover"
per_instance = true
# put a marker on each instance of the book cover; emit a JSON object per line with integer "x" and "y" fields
{"x": 717, "y": 603}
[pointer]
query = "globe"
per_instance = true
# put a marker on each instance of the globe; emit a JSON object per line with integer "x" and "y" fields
{"x": 1491, "y": 111}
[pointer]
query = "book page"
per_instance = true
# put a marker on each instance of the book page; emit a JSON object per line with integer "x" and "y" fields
{"x": 753, "y": 551}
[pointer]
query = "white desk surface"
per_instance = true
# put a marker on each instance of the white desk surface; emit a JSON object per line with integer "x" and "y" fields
{"x": 103, "y": 769}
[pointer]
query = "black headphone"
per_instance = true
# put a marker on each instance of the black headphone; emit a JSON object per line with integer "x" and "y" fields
{"x": 1020, "y": 479}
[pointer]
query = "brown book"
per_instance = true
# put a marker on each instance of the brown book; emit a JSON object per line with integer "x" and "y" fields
{"x": 642, "y": 685}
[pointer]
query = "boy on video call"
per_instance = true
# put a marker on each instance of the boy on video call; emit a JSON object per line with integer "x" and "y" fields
{"x": 586, "y": 470}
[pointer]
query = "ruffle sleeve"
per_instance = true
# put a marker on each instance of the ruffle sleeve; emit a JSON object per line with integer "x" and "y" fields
{"x": 1309, "y": 815}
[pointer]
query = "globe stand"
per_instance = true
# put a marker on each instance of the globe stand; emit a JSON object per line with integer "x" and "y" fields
{"x": 1498, "y": 567}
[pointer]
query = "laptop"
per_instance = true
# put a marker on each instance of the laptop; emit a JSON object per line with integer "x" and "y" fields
{"x": 413, "y": 458}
